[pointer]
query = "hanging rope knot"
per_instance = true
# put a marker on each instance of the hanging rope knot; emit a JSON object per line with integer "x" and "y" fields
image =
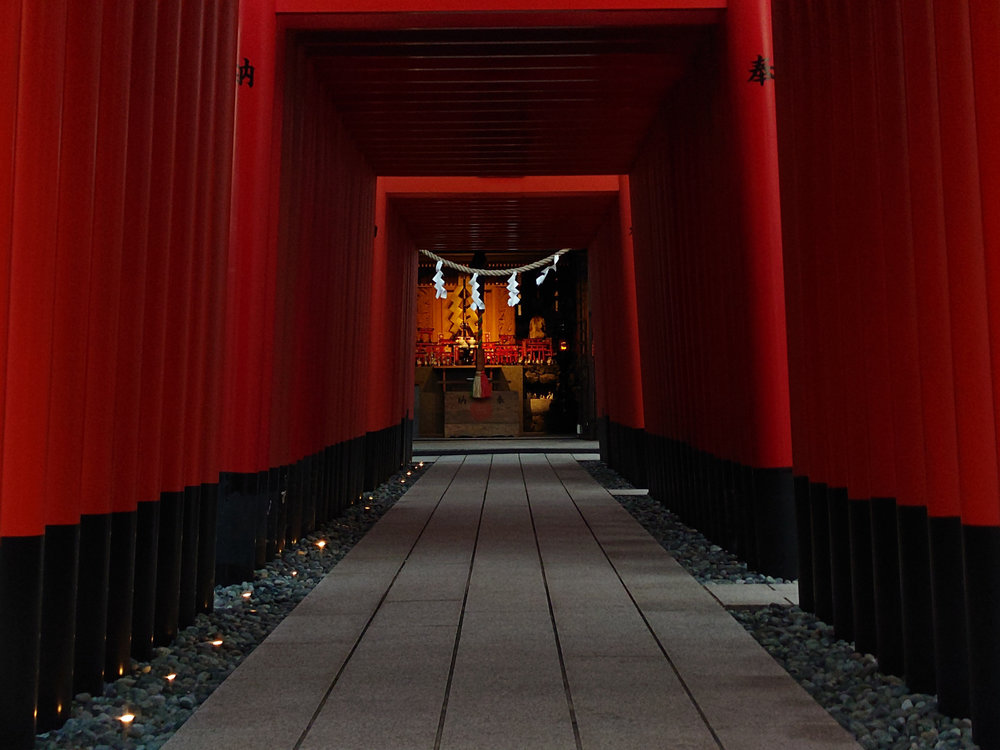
{"x": 553, "y": 259}
{"x": 513, "y": 294}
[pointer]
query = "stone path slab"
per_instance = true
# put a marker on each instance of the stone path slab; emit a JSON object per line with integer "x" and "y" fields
{"x": 508, "y": 601}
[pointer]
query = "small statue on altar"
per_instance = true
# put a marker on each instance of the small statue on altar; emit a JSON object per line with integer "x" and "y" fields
{"x": 536, "y": 327}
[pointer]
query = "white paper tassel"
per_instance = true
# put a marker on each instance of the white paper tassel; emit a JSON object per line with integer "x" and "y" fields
{"x": 439, "y": 290}
{"x": 513, "y": 297}
{"x": 543, "y": 274}
{"x": 477, "y": 300}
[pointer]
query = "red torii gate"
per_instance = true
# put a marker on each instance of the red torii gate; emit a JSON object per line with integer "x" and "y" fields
{"x": 175, "y": 261}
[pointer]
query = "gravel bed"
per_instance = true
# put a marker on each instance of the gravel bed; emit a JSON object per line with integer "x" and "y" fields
{"x": 878, "y": 709}
{"x": 244, "y": 615}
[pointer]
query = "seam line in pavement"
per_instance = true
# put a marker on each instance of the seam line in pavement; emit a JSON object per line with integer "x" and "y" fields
{"x": 652, "y": 632}
{"x": 552, "y": 614}
{"x": 461, "y": 618}
{"x": 364, "y": 630}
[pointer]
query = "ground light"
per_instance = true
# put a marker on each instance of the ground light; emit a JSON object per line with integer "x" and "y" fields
{"x": 126, "y": 719}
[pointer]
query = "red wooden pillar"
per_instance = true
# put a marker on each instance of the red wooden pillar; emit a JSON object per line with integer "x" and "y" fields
{"x": 380, "y": 387}
{"x": 164, "y": 193}
{"x": 131, "y": 318}
{"x": 68, "y": 362}
{"x": 32, "y": 268}
{"x": 628, "y": 360}
{"x": 10, "y": 47}
{"x": 407, "y": 260}
{"x": 245, "y": 389}
{"x": 833, "y": 288}
{"x": 97, "y": 475}
{"x": 812, "y": 155}
{"x": 220, "y": 190}
{"x": 176, "y": 446}
{"x": 792, "y": 93}
{"x": 982, "y": 536}
{"x": 926, "y": 452}
{"x": 247, "y": 379}
{"x": 749, "y": 51}
{"x": 202, "y": 272}
{"x": 862, "y": 309}
{"x": 981, "y": 533}
{"x": 965, "y": 124}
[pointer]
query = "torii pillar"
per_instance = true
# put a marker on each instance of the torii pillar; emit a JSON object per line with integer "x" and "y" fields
{"x": 750, "y": 77}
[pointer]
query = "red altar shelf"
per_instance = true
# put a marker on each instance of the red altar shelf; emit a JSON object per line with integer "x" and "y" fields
{"x": 506, "y": 352}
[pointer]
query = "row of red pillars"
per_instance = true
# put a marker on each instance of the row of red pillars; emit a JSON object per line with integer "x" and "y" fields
{"x": 890, "y": 182}
{"x": 182, "y": 243}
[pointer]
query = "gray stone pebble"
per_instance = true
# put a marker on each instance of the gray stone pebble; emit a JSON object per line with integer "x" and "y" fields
{"x": 161, "y": 706}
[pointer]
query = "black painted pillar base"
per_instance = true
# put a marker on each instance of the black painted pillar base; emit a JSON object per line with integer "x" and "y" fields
{"x": 121, "y": 585}
{"x": 92, "y": 610}
{"x": 293, "y": 502}
{"x": 307, "y": 483}
{"x": 915, "y": 588}
{"x": 736, "y": 516}
{"x": 775, "y": 538}
{"x": 840, "y": 563}
{"x": 951, "y": 632}
{"x": 20, "y": 622}
{"x": 678, "y": 500}
{"x": 283, "y": 508}
{"x": 241, "y": 499}
{"x": 356, "y": 467}
{"x": 324, "y": 510}
{"x": 262, "y": 506}
{"x": 147, "y": 544}
{"x": 55, "y": 665}
{"x": 406, "y": 449}
{"x": 747, "y": 499}
{"x": 885, "y": 569}
{"x": 341, "y": 489}
{"x": 275, "y": 515}
{"x": 803, "y": 524}
{"x": 640, "y": 477}
{"x": 822, "y": 584}
{"x": 862, "y": 576}
{"x": 168, "y": 568}
{"x": 190, "y": 548}
{"x": 372, "y": 465}
{"x": 208, "y": 514}
{"x": 982, "y": 561}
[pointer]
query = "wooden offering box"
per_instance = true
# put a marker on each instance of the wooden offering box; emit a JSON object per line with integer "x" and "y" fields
{"x": 496, "y": 416}
{"x": 446, "y": 408}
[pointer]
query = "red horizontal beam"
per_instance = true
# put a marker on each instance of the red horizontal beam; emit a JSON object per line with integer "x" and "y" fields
{"x": 373, "y": 19}
{"x": 512, "y": 186}
{"x": 488, "y": 6}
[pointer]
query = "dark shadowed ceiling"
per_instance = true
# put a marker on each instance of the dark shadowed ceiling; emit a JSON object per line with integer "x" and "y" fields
{"x": 501, "y": 101}
{"x": 457, "y": 225}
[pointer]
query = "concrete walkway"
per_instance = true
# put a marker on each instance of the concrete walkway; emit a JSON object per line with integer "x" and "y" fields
{"x": 509, "y": 602}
